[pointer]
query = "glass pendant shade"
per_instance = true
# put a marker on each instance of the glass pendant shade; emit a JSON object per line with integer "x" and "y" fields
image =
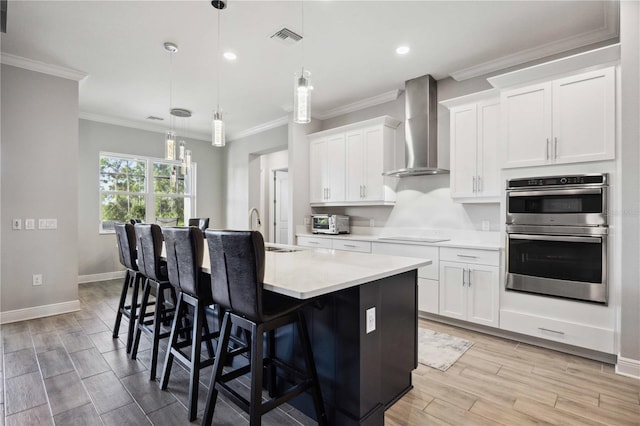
{"x": 170, "y": 146}
{"x": 217, "y": 129}
{"x": 181, "y": 147}
{"x": 302, "y": 98}
{"x": 174, "y": 177}
{"x": 187, "y": 158}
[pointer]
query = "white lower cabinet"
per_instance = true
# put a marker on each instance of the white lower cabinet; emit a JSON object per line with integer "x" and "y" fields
{"x": 428, "y": 285}
{"x": 470, "y": 291}
{"x": 315, "y": 242}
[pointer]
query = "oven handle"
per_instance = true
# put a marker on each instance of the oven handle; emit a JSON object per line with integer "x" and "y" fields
{"x": 593, "y": 240}
{"x": 581, "y": 191}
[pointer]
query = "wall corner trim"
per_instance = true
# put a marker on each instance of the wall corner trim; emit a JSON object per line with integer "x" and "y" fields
{"x": 39, "y": 311}
{"x": 628, "y": 367}
{"x": 42, "y": 67}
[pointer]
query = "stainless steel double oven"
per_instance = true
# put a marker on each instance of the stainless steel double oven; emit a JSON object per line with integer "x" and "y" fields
{"x": 557, "y": 231}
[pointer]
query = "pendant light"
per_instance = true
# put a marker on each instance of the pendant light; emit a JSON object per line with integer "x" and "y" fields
{"x": 302, "y": 88}
{"x": 182, "y": 114}
{"x": 170, "y": 138}
{"x": 217, "y": 125}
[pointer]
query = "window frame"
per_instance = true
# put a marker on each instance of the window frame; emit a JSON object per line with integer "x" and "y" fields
{"x": 149, "y": 193}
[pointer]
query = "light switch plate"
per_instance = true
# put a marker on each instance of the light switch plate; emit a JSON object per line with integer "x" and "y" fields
{"x": 29, "y": 224}
{"x": 371, "y": 320}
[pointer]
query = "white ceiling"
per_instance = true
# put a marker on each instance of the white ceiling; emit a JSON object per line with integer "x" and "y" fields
{"x": 349, "y": 46}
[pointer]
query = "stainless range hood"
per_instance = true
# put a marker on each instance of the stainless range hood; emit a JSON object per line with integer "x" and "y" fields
{"x": 421, "y": 129}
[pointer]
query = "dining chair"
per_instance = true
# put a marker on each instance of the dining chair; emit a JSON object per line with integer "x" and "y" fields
{"x": 149, "y": 242}
{"x": 237, "y": 273}
{"x": 184, "y": 248}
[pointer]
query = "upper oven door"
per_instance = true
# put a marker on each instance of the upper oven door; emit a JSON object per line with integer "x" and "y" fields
{"x": 568, "y": 207}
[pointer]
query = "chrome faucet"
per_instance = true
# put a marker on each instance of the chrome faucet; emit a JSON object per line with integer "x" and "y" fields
{"x": 251, "y": 212}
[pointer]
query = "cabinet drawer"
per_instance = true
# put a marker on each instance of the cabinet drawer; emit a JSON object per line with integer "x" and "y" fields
{"x": 348, "y": 245}
{"x": 412, "y": 250}
{"x": 481, "y": 257}
{"x": 314, "y": 242}
{"x": 571, "y": 333}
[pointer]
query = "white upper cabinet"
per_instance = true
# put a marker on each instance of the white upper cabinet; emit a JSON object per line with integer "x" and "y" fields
{"x": 564, "y": 121}
{"x": 474, "y": 132}
{"x": 354, "y": 177}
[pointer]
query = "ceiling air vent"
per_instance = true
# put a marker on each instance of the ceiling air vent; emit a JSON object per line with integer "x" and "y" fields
{"x": 154, "y": 118}
{"x": 286, "y": 36}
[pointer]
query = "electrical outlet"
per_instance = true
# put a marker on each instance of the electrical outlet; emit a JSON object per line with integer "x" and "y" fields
{"x": 30, "y": 224}
{"x": 37, "y": 279}
{"x": 307, "y": 220}
{"x": 486, "y": 225}
{"x": 16, "y": 224}
{"x": 371, "y": 320}
{"x": 372, "y": 223}
{"x": 47, "y": 223}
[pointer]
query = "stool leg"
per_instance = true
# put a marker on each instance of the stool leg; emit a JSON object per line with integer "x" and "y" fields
{"x": 207, "y": 333}
{"x": 121, "y": 304}
{"x": 196, "y": 341}
{"x": 255, "y": 404}
{"x": 221, "y": 353}
{"x": 141, "y": 316}
{"x": 173, "y": 339}
{"x": 271, "y": 369}
{"x": 157, "y": 322}
{"x": 303, "y": 333}
{"x": 134, "y": 310}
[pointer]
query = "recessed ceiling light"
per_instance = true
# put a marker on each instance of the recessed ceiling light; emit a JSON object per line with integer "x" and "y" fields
{"x": 230, "y": 56}
{"x": 402, "y": 50}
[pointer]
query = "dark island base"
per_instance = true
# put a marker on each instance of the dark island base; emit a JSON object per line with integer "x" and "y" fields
{"x": 361, "y": 374}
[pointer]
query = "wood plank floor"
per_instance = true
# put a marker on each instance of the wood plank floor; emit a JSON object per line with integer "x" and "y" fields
{"x": 499, "y": 381}
{"x": 68, "y": 370}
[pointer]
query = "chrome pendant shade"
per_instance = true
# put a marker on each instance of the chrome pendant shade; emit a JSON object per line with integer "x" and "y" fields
{"x": 302, "y": 97}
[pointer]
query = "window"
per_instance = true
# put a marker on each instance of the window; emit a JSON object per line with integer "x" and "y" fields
{"x": 149, "y": 189}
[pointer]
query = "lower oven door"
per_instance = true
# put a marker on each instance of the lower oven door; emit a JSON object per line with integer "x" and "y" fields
{"x": 569, "y": 266}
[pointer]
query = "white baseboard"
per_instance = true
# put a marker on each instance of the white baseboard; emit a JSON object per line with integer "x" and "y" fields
{"x": 628, "y": 367}
{"x": 39, "y": 311}
{"x": 100, "y": 277}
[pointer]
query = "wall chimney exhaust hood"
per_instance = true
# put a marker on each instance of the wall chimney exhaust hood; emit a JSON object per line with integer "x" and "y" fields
{"x": 421, "y": 129}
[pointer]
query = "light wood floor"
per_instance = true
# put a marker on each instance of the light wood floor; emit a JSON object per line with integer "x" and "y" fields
{"x": 500, "y": 381}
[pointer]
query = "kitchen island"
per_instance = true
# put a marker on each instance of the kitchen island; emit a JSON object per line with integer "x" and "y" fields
{"x": 362, "y": 323}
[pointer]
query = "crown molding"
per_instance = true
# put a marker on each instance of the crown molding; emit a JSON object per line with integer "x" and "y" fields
{"x": 608, "y": 30}
{"x": 42, "y": 67}
{"x": 358, "y": 105}
{"x": 123, "y": 122}
{"x": 259, "y": 128}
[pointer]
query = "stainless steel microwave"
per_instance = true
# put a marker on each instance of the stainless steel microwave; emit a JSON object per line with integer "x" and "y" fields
{"x": 329, "y": 224}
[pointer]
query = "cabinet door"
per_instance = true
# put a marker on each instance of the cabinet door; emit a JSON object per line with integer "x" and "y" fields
{"x": 584, "y": 117}
{"x": 527, "y": 125}
{"x": 374, "y": 164}
{"x": 336, "y": 167}
{"x": 483, "y": 290}
{"x": 463, "y": 151}
{"x": 488, "y": 181}
{"x": 428, "y": 295}
{"x": 453, "y": 291}
{"x": 318, "y": 171}
{"x": 355, "y": 165}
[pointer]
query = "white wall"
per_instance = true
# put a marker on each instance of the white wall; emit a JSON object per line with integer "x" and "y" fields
{"x": 97, "y": 253}
{"x": 242, "y": 171}
{"x": 39, "y": 180}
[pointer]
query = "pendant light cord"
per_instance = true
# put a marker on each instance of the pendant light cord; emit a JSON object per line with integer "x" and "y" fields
{"x": 303, "y": 34}
{"x": 218, "y": 66}
{"x": 171, "y": 121}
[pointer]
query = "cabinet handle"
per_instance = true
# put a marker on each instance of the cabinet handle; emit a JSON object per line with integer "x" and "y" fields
{"x": 329, "y": 191}
{"x": 555, "y": 148}
{"x": 361, "y": 191}
{"x": 469, "y": 277}
{"x": 474, "y": 184}
{"x": 313, "y": 242}
{"x": 479, "y": 187}
{"x": 463, "y": 271}
{"x": 364, "y": 191}
{"x": 547, "y": 153}
{"x": 350, "y": 245}
{"x": 467, "y": 256}
{"x": 551, "y": 331}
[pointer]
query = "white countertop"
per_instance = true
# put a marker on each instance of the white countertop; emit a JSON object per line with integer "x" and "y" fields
{"x": 453, "y": 242}
{"x": 309, "y": 273}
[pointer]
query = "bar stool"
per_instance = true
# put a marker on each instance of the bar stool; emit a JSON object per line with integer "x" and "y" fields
{"x": 185, "y": 250}
{"x": 126, "y": 238}
{"x": 237, "y": 273}
{"x": 149, "y": 240}
{"x": 200, "y": 222}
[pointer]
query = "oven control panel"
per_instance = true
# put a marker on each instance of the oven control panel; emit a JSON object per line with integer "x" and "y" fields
{"x": 599, "y": 179}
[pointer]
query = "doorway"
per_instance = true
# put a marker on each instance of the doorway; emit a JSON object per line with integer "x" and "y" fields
{"x": 280, "y": 205}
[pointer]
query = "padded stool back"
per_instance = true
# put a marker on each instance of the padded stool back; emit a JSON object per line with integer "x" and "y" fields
{"x": 185, "y": 250}
{"x": 200, "y": 222}
{"x": 149, "y": 241}
{"x": 126, "y": 238}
